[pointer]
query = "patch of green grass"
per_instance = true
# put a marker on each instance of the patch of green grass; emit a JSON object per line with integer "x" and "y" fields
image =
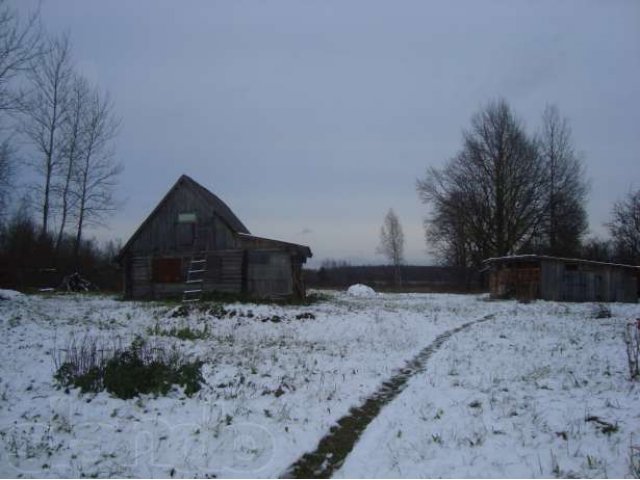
{"x": 127, "y": 373}
{"x": 219, "y": 297}
{"x": 208, "y": 298}
{"x": 184, "y": 333}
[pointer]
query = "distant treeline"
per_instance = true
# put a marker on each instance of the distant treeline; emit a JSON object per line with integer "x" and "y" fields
{"x": 32, "y": 261}
{"x": 382, "y": 277}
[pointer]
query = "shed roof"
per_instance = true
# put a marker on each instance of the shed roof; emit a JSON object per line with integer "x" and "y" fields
{"x": 301, "y": 249}
{"x": 533, "y": 257}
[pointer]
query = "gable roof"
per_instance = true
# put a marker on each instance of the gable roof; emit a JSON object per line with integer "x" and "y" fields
{"x": 214, "y": 203}
{"x": 217, "y": 205}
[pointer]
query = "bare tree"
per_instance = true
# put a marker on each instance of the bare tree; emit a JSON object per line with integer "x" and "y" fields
{"x": 448, "y": 229}
{"x": 625, "y": 229}
{"x": 565, "y": 190}
{"x": 6, "y": 174}
{"x": 73, "y": 145}
{"x": 46, "y": 110}
{"x": 486, "y": 201}
{"x": 392, "y": 242}
{"x": 597, "y": 249}
{"x": 97, "y": 172}
{"x": 20, "y": 44}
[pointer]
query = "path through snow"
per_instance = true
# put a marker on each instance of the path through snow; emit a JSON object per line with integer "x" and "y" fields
{"x": 334, "y": 447}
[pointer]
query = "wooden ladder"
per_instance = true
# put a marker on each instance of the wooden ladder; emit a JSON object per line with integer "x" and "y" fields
{"x": 195, "y": 279}
{"x": 194, "y": 283}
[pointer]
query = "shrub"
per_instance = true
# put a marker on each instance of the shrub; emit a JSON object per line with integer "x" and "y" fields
{"x": 138, "y": 369}
{"x": 184, "y": 333}
{"x": 602, "y": 311}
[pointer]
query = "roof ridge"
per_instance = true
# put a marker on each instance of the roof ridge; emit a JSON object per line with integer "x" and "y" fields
{"x": 226, "y": 214}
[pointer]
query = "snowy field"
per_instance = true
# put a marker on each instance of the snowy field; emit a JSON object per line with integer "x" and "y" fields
{"x": 514, "y": 396}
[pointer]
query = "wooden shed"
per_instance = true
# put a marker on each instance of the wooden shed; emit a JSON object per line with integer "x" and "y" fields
{"x": 562, "y": 279}
{"x": 192, "y": 244}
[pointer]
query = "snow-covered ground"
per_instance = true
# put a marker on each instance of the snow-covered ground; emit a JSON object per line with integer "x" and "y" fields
{"x": 508, "y": 397}
{"x": 543, "y": 391}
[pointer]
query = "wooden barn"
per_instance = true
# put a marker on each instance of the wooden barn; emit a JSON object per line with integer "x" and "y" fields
{"x": 192, "y": 244}
{"x": 562, "y": 279}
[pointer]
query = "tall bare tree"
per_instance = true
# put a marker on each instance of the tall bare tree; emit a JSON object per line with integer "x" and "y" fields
{"x": 73, "y": 132}
{"x": 486, "y": 201}
{"x": 6, "y": 174}
{"x": 392, "y": 243}
{"x": 564, "y": 194}
{"x": 97, "y": 172}
{"x": 625, "y": 229}
{"x": 46, "y": 111}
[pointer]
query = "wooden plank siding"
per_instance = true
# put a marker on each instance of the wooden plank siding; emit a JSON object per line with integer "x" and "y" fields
{"x": 269, "y": 273}
{"x": 161, "y": 233}
{"x": 224, "y": 271}
{"x": 224, "y": 274}
{"x": 141, "y": 277}
{"x": 558, "y": 279}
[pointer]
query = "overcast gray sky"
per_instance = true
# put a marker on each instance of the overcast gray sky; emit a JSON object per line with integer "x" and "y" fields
{"x": 310, "y": 119}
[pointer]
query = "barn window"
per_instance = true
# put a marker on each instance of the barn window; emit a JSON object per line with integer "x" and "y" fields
{"x": 571, "y": 267}
{"x": 186, "y": 229}
{"x": 167, "y": 270}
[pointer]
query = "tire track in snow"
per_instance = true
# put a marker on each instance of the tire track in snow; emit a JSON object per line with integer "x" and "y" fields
{"x": 338, "y": 443}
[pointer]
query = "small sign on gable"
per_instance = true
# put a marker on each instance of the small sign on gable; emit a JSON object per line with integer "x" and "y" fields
{"x": 187, "y": 218}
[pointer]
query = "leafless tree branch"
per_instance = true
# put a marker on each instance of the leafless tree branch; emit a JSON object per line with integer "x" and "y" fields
{"x": 486, "y": 201}
{"x": 45, "y": 111}
{"x": 625, "y": 229}
{"x": 97, "y": 172}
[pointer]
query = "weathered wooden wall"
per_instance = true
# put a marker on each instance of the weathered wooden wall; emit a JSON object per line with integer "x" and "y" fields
{"x": 269, "y": 273}
{"x": 560, "y": 280}
{"x": 224, "y": 274}
{"x": 518, "y": 281}
{"x": 584, "y": 282}
{"x": 140, "y": 277}
{"x": 160, "y": 234}
{"x": 224, "y": 271}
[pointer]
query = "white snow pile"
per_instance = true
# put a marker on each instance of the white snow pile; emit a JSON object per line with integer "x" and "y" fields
{"x": 359, "y": 290}
{"x": 10, "y": 295}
